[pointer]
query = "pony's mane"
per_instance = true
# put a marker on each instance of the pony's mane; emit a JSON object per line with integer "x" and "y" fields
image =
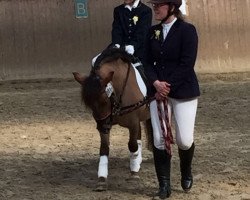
{"x": 111, "y": 55}
{"x": 91, "y": 89}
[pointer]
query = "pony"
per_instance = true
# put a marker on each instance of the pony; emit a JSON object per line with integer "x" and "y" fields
{"x": 113, "y": 95}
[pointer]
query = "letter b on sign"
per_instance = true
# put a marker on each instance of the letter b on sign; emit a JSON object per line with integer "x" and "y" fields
{"x": 81, "y": 8}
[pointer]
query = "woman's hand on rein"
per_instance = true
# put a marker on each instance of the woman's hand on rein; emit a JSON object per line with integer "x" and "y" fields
{"x": 159, "y": 97}
{"x": 162, "y": 87}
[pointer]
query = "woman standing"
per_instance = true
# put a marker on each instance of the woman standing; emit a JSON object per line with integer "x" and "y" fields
{"x": 171, "y": 51}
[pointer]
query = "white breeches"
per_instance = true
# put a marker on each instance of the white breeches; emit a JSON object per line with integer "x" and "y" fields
{"x": 183, "y": 112}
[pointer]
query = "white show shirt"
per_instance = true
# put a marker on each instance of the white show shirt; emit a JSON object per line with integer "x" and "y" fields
{"x": 166, "y": 27}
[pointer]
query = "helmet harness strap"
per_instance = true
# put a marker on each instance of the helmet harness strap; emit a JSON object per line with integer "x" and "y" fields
{"x": 170, "y": 12}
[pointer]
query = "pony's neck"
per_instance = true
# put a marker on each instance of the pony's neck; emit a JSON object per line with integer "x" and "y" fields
{"x": 131, "y": 92}
{"x": 120, "y": 72}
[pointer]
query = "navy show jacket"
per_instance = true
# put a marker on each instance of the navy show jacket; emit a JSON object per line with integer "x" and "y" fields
{"x": 131, "y": 27}
{"x": 173, "y": 59}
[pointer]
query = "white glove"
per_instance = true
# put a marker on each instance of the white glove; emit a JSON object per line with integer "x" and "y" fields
{"x": 130, "y": 49}
{"x": 183, "y": 7}
{"x": 94, "y": 59}
{"x": 117, "y": 46}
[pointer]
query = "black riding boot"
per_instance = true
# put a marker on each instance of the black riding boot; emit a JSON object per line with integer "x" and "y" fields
{"x": 186, "y": 157}
{"x": 162, "y": 168}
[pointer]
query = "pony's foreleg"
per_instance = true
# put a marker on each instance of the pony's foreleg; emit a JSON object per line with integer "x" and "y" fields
{"x": 103, "y": 167}
{"x": 135, "y": 147}
{"x": 103, "y": 163}
{"x": 136, "y": 159}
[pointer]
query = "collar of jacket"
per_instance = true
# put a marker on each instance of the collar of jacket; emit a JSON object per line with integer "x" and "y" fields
{"x": 173, "y": 28}
{"x": 135, "y": 5}
{"x": 171, "y": 31}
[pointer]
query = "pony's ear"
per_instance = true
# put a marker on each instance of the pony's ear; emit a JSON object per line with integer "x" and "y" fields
{"x": 107, "y": 79}
{"x": 80, "y": 79}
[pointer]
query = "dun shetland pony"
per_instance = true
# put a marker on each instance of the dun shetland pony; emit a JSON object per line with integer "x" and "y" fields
{"x": 114, "y": 97}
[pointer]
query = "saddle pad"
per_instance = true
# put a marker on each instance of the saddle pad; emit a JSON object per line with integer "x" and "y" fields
{"x": 140, "y": 81}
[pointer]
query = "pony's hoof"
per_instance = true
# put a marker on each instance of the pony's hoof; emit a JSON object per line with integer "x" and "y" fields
{"x": 101, "y": 185}
{"x": 101, "y": 188}
{"x": 134, "y": 177}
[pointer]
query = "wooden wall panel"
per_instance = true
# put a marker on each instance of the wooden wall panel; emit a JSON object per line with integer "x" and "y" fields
{"x": 43, "y": 39}
{"x": 224, "y": 29}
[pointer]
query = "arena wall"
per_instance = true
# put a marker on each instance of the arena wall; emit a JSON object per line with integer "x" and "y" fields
{"x": 224, "y": 30}
{"x": 44, "y": 39}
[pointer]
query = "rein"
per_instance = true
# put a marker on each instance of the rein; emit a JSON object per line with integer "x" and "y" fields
{"x": 117, "y": 109}
{"x": 116, "y": 104}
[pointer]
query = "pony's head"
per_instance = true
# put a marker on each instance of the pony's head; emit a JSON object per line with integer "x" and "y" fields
{"x": 93, "y": 93}
{"x": 93, "y": 86}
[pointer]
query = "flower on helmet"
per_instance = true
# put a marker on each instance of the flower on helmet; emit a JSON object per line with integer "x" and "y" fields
{"x": 157, "y": 34}
{"x": 135, "y": 19}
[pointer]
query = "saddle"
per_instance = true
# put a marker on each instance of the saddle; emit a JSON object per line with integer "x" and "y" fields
{"x": 139, "y": 66}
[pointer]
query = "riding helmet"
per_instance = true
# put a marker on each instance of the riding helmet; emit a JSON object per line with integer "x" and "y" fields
{"x": 177, "y": 3}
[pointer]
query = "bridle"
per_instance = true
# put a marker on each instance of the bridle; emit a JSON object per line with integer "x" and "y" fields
{"x": 116, "y": 109}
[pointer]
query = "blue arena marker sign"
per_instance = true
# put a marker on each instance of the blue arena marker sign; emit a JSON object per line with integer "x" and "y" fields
{"x": 81, "y": 8}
